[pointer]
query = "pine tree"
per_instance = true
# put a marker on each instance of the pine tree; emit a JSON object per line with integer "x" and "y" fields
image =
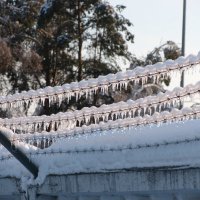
{"x": 91, "y": 33}
{"x": 168, "y": 50}
{"x": 17, "y": 32}
{"x": 53, "y": 42}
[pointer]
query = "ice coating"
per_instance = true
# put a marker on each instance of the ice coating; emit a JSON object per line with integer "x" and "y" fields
{"x": 6, "y": 132}
{"x": 114, "y": 81}
{"x": 44, "y": 139}
{"x": 53, "y": 138}
{"x": 87, "y": 116}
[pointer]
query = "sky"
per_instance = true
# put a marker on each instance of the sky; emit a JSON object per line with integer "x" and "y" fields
{"x": 157, "y": 21}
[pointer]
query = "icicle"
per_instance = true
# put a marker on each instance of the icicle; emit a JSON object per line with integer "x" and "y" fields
{"x": 133, "y": 112}
{"x": 143, "y": 81}
{"x": 95, "y": 90}
{"x": 160, "y": 106}
{"x": 149, "y": 110}
{"x": 87, "y": 119}
{"x": 139, "y": 112}
{"x": 120, "y": 86}
{"x": 107, "y": 116}
{"x": 102, "y": 89}
{"x": 113, "y": 86}
{"x": 154, "y": 106}
{"x": 86, "y": 93}
{"x": 144, "y": 109}
{"x": 77, "y": 95}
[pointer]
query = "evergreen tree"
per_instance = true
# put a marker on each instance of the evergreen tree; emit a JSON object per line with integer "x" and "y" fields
{"x": 52, "y": 42}
{"x": 89, "y": 34}
{"x": 168, "y": 50}
{"x": 18, "y": 20}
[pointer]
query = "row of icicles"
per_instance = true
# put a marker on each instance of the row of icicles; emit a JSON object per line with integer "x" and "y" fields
{"x": 139, "y": 75}
{"x": 93, "y": 115}
{"x": 45, "y": 139}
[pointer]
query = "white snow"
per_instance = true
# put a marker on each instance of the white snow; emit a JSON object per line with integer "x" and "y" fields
{"x": 175, "y": 144}
{"x": 6, "y": 132}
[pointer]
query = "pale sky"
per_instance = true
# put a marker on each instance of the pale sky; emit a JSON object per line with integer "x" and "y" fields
{"x": 157, "y": 21}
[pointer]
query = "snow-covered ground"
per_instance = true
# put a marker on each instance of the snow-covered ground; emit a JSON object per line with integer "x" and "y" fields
{"x": 174, "y": 144}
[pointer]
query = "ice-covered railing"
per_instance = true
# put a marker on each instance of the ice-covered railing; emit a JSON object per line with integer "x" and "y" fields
{"x": 102, "y": 83}
{"x": 44, "y": 139}
{"x": 94, "y": 115}
{"x": 137, "y": 139}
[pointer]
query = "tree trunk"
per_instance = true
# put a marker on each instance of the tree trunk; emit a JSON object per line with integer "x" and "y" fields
{"x": 80, "y": 44}
{"x": 47, "y": 66}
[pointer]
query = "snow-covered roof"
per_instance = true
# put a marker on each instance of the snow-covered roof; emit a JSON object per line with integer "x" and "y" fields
{"x": 155, "y": 138}
{"x": 166, "y": 145}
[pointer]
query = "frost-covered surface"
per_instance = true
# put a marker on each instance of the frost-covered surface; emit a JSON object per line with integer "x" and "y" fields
{"x": 175, "y": 144}
{"x": 114, "y": 81}
{"x": 6, "y": 132}
{"x": 120, "y": 136}
{"x": 69, "y": 120}
{"x": 45, "y": 139}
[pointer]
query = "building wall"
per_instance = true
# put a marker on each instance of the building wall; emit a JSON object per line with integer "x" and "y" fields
{"x": 146, "y": 184}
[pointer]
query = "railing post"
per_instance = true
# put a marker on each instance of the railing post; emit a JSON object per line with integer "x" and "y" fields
{"x": 5, "y": 140}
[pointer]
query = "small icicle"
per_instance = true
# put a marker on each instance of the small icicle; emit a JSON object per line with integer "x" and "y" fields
{"x": 86, "y": 93}
{"x": 160, "y": 107}
{"x": 139, "y": 112}
{"x": 59, "y": 96}
{"x": 95, "y": 119}
{"x": 87, "y": 119}
{"x": 142, "y": 81}
{"x": 120, "y": 86}
{"x": 106, "y": 88}
{"x": 150, "y": 111}
{"x": 113, "y": 85}
{"x": 144, "y": 110}
{"x": 133, "y": 112}
{"x": 103, "y": 89}
{"x": 95, "y": 90}
{"x": 155, "y": 107}
{"x": 106, "y": 116}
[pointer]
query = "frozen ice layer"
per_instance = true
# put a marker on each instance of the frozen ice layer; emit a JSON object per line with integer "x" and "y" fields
{"x": 117, "y": 81}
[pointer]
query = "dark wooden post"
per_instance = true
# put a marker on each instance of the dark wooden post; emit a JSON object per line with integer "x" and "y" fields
{"x": 5, "y": 140}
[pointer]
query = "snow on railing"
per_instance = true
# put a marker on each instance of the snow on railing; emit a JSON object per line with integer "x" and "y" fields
{"x": 59, "y": 151}
{"x": 45, "y": 139}
{"x": 103, "y": 83}
{"x": 93, "y": 115}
